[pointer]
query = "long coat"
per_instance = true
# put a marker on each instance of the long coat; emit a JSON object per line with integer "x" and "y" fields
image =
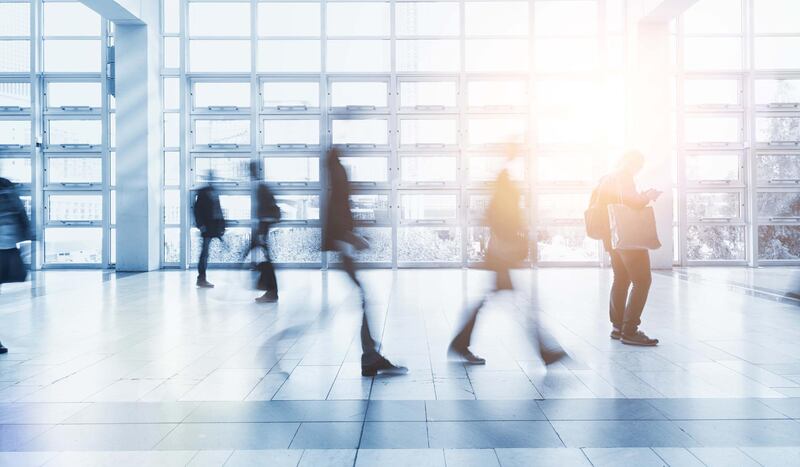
{"x": 338, "y": 224}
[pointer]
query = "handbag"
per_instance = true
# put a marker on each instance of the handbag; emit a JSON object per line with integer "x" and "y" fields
{"x": 12, "y": 269}
{"x": 632, "y": 228}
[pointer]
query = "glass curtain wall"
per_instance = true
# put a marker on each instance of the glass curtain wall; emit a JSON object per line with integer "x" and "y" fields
{"x": 56, "y": 126}
{"x": 420, "y": 96}
{"x": 738, "y": 141}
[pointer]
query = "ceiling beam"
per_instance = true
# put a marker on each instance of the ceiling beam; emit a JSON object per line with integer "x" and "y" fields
{"x": 118, "y": 11}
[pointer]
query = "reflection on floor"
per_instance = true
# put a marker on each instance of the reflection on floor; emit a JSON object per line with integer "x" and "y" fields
{"x": 146, "y": 370}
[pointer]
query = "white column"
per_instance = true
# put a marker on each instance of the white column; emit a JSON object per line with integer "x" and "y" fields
{"x": 649, "y": 127}
{"x": 138, "y": 142}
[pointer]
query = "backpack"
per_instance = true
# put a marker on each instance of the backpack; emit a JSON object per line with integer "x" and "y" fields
{"x": 596, "y": 217}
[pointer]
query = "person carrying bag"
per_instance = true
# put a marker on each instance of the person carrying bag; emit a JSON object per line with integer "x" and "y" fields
{"x": 15, "y": 227}
{"x": 621, "y": 217}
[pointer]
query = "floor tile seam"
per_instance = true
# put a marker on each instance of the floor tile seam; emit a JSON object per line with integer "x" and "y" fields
{"x": 227, "y": 459}
{"x": 679, "y": 447}
{"x": 738, "y": 448}
{"x": 759, "y": 382}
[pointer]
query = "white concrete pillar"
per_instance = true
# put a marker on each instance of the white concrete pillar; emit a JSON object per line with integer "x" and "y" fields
{"x": 138, "y": 142}
{"x": 649, "y": 127}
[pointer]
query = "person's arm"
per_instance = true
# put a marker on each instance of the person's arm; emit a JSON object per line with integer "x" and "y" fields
{"x": 628, "y": 194}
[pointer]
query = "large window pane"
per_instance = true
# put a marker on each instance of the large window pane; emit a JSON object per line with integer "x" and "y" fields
{"x": 496, "y": 130}
{"x": 428, "y": 207}
{"x": 290, "y": 95}
{"x": 713, "y": 17}
{"x": 75, "y": 132}
{"x": 370, "y": 208}
{"x": 428, "y": 55}
{"x": 358, "y": 56}
{"x": 497, "y": 55}
{"x": 427, "y": 18}
{"x": 14, "y": 94}
{"x": 777, "y": 91}
{"x": 73, "y": 246}
{"x": 225, "y": 169}
{"x": 712, "y": 53}
{"x": 428, "y": 169}
{"x": 366, "y": 169}
{"x": 295, "y": 244}
{"x": 712, "y": 167}
{"x": 486, "y": 168}
{"x": 221, "y": 95}
{"x": 778, "y": 168}
{"x": 16, "y": 169}
{"x": 15, "y": 132}
{"x": 359, "y": 95}
{"x": 561, "y": 205}
{"x": 776, "y": 16}
{"x": 291, "y": 169}
{"x": 704, "y": 92}
{"x": 172, "y": 207}
{"x": 75, "y": 208}
{"x": 71, "y": 55}
{"x": 291, "y": 132}
{"x": 713, "y": 129}
{"x": 565, "y": 54}
{"x": 298, "y": 207}
{"x": 778, "y": 129}
{"x": 172, "y": 93}
{"x": 295, "y": 19}
{"x": 172, "y": 52}
{"x": 172, "y": 16}
{"x": 429, "y": 244}
{"x": 219, "y": 19}
{"x": 715, "y": 242}
{"x": 74, "y": 95}
{"x": 564, "y": 168}
{"x": 562, "y": 95}
{"x": 235, "y": 207}
{"x": 477, "y": 243}
{"x": 565, "y": 18}
{"x": 219, "y": 56}
{"x": 436, "y": 132}
{"x": 777, "y": 52}
{"x": 496, "y": 18}
{"x": 575, "y": 129}
{"x": 231, "y": 250}
{"x": 70, "y": 19}
{"x": 360, "y": 132}
{"x": 15, "y": 56}
{"x": 498, "y": 94}
{"x": 565, "y": 243}
{"x": 779, "y": 242}
{"x": 778, "y": 204}
{"x": 428, "y": 95}
{"x": 172, "y": 130}
{"x": 15, "y": 19}
{"x": 380, "y": 246}
{"x": 289, "y": 56}
{"x": 722, "y": 205}
{"x": 75, "y": 170}
{"x": 172, "y": 245}
{"x": 211, "y": 132}
{"x": 358, "y": 19}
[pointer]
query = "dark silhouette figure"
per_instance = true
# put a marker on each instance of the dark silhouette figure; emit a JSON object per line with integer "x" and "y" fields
{"x": 267, "y": 214}
{"x": 631, "y": 267}
{"x": 338, "y": 236}
{"x": 210, "y": 221}
{"x": 15, "y": 227}
{"x": 508, "y": 246}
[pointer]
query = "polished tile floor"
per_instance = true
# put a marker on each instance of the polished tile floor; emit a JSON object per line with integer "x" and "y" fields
{"x": 144, "y": 369}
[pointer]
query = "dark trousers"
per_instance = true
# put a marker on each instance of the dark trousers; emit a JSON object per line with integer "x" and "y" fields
{"x": 202, "y": 264}
{"x": 631, "y": 267}
{"x": 369, "y": 351}
{"x": 266, "y": 279}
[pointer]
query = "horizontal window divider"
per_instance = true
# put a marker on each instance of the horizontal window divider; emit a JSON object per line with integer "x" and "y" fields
{"x": 12, "y": 146}
{"x": 795, "y": 181}
{"x": 716, "y": 220}
{"x": 291, "y": 108}
{"x": 431, "y": 145}
{"x": 72, "y": 38}
{"x": 73, "y": 223}
{"x": 785, "y": 219}
{"x": 430, "y": 108}
{"x": 293, "y": 184}
{"x": 294, "y": 146}
{"x": 75, "y": 184}
{"x": 224, "y": 146}
{"x": 782, "y": 143}
{"x": 715, "y": 182}
{"x": 359, "y": 145}
{"x": 289, "y": 38}
{"x": 360, "y": 108}
{"x": 11, "y": 108}
{"x": 782, "y": 105}
{"x": 77, "y": 108}
{"x": 74, "y": 146}
{"x": 217, "y": 38}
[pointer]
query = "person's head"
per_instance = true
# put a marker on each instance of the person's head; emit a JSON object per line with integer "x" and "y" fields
{"x": 253, "y": 170}
{"x": 333, "y": 157}
{"x": 211, "y": 176}
{"x": 631, "y": 162}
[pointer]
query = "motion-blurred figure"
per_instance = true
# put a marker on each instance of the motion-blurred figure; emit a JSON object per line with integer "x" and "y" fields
{"x": 338, "y": 236}
{"x": 15, "y": 227}
{"x": 631, "y": 267}
{"x": 210, "y": 221}
{"x": 267, "y": 213}
{"x": 508, "y": 246}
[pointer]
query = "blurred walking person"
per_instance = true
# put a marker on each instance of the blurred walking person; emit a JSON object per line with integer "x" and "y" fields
{"x": 267, "y": 214}
{"x": 508, "y": 247}
{"x": 338, "y": 236}
{"x": 210, "y": 221}
{"x": 631, "y": 266}
{"x": 15, "y": 227}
